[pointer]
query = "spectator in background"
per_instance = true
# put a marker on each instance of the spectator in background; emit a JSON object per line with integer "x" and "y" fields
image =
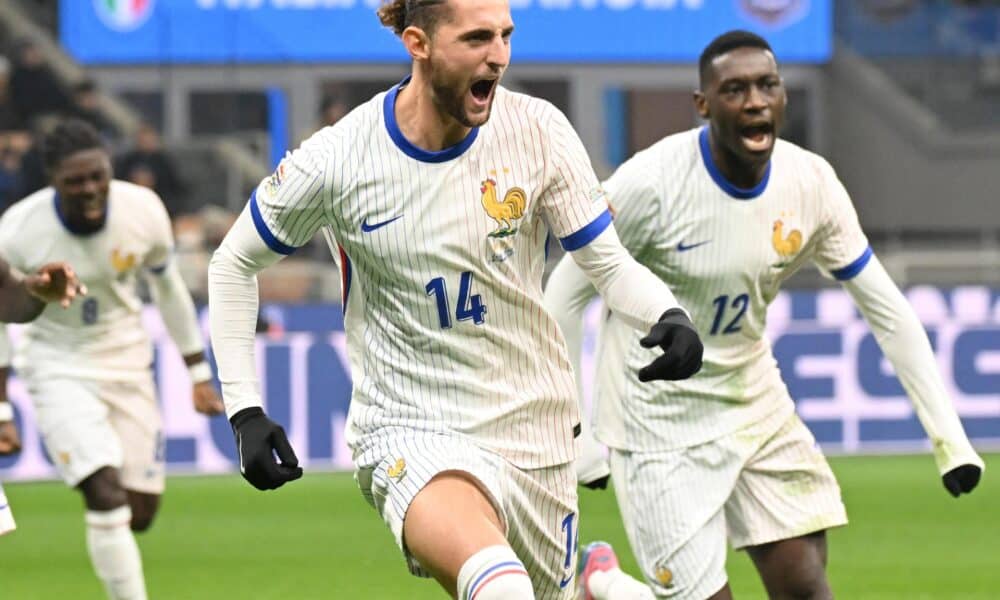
{"x": 87, "y": 107}
{"x": 34, "y": 88}
{"x": 9, "y": 118}
{"x": 149, "y": 166}
{"x": 331, "y": 110}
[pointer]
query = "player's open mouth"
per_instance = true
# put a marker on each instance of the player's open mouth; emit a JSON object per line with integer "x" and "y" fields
{"x": 482, "y": 90}
{"x": 758, "y": 137}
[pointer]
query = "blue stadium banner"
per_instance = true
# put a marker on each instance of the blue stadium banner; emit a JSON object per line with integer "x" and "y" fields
{"x": 587, "y": 31}
{"x": 843, "y": 387}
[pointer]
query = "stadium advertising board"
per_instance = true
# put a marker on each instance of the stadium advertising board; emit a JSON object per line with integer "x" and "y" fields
{"x": 844, "y": 388}
{"x": 268, "y": 31}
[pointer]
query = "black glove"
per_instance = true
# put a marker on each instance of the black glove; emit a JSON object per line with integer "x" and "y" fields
{"x": 601, "y": 483}
{"x": 682, "y": 348}
{"x": 258, "y": 439}
{"x": 961, "y": 479}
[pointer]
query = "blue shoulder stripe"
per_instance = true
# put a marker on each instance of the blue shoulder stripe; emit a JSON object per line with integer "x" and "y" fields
{"x": 265, "y": 234}
{"x": 851, "y": 270}
{"x": 581, "y": 238}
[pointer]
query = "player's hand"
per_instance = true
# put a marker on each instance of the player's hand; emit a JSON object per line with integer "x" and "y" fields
{"x": 206, "y": 399}
{"x": 962, "y": 479}
{"x": 258, "y": 439}
{"x": 682, "y": 348}
{"x": 55, "y": 282}
{"x": 10, "y": 440}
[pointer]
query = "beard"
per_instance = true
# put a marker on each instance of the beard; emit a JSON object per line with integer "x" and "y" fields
{"x": 449, "y": 94}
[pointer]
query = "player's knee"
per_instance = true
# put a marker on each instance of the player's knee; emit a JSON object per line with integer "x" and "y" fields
{"x": 494, "y": 573}
{"x": 808, "y": 582}
{"x": 141, "y": 523}
{"x": 102, "y": 490}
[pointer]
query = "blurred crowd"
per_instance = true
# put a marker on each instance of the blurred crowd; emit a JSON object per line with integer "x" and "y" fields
{"x": 32, "y": 98}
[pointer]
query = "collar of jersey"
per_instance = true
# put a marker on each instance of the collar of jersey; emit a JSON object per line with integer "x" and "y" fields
{"x": 68, "y": 227}
{"x": 721, "y": 181}
{"x": 389, "y": 111}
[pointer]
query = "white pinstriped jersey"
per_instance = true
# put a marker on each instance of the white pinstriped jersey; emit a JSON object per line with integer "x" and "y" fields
{"x": 724, "y": 252}
{"x": 101, "y": 335}
{"x": 442, "y": 256}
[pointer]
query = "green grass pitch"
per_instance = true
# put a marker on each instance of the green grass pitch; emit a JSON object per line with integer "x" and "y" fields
{"x": 218, "y": 538}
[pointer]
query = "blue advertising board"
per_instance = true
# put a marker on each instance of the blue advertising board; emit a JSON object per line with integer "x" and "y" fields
{"x": 843, "y": 387}
{"x": 585, "y": 31}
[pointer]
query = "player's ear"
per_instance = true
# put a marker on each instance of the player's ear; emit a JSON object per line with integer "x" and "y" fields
{"x": 417, "y": 42}
{"x": 701, "y": 104}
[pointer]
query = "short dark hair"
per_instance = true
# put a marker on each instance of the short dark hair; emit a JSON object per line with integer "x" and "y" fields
{"x": 727, "y": 42}
{"x": 400, "y": 14}
{"x": 67, "y": 138}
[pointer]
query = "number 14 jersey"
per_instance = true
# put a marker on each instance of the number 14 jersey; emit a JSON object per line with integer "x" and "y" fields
{"x": 442, "y": 255}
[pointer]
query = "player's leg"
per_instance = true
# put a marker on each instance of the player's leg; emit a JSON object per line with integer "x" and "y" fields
{"x": 784, "y": 501}
{"x": 794, "y": 568}
{"x": 439, "y": 497}
{"x": 87, "y": 453}
{"x": 136, "y": 419}
{"x": 7, "y": 523}
{"x": 453, "y": 531}
{"x": 672, "y": 508}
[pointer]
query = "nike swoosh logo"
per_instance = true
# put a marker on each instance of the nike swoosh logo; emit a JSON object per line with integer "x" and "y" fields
{"x": 365, "y": 227}
{"x": 682, "y": 248}
{"x": 563, "y": 583}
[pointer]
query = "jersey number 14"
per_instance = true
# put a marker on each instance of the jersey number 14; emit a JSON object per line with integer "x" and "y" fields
{"x": 469, "y": 306}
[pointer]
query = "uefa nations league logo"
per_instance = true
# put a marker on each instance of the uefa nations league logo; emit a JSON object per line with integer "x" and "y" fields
{"x": 775, "y": 13}
{"x": 124, "y": 15}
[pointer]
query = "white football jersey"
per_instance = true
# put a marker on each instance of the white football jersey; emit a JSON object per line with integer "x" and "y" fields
{"x": 442, "y": 256}
{"x": 100, "y": 336}
{"x": 724, "y": 252}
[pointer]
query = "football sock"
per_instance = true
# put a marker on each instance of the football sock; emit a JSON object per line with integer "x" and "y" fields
{"x": 494, "y": 573}
{"x": 6, "y": 515}
{"x": 114, "y": 553}
{"x": 615, "y": 584}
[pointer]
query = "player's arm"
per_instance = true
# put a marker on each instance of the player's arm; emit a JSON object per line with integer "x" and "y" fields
{"x": 10, "y": 440}
{"x": 904, "y": 342}
{"x": 283, "y": 213}
{"x": 844, "y": 252}
{"x": 578, "y": 214}
{"x": 176, "y": 307}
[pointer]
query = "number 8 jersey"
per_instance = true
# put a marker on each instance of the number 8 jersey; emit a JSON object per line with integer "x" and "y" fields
{"x": 100, "y": 336}
{"x": 724, "y": 251}
{"x": 442, "y": 255}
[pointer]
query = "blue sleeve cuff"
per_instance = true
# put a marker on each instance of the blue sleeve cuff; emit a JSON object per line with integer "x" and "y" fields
{"x": 265, "y": 234}
{"x": 581, "y": 238}
{"x": 159, "y": 269}
{"x": 851, "y": 270}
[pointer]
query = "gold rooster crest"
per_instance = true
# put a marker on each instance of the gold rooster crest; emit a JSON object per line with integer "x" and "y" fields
{"x": 397, "y": 471}
{"x": 505, "y": 211}
{"x": 786, "y": 247}
{"x": 122, "y": 263}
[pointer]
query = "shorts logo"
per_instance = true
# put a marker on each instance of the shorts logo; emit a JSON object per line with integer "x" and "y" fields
{"x": 505, "y": 211}
{"x": 397, "y": 471}
{"x": 664, "y": 576}
{"x": 63, "y": 458}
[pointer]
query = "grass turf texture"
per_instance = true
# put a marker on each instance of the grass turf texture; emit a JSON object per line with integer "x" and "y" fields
{"x": 218, "y": 538}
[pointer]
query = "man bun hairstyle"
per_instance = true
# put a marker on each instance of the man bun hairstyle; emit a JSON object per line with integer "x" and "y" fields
{"x": 67, "y": 138}
{"x": 397, "y": 15}
{"x": 727, "y": 42}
